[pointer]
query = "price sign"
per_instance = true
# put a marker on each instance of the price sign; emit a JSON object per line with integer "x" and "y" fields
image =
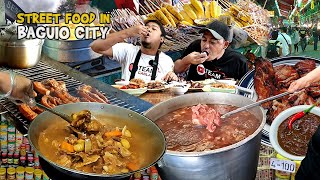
{"x": 282, "y": 165}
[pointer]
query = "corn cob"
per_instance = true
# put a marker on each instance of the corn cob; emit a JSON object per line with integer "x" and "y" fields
{"x": 186, "y": 17}
{"x": 186, "y": 23}
{"x": 212, "y": 7}
{"x": 162, "y": 18}
{"x": 168, "y": 15}
{"x": 174, "y": 12}
{"x": 206, "y": 6}
{"x": 188, "y": 9}
{"x": 198, "y": 7}
{"x": 174, "y": 19}
{"x": 151, "y": 17}
{"x": 217, "y": 11}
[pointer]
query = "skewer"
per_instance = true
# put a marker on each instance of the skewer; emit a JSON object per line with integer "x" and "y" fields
{"x": 148, "y": 6}
{"x": 143, "y": 8}
{"x": 157, "y": 7}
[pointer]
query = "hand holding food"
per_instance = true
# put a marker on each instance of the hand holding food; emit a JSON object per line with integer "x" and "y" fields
{"x": 170, "y": 76}
{"x": 299, "y": 84}
{"x": 138, "y": 30}
{"x": 195, "y": 58}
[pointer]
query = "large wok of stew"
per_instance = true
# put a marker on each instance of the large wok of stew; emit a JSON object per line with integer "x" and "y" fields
{"x": 114, "y": 142}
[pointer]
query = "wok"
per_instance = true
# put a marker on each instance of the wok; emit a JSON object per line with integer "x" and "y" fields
{"x": 45, "y": 119}
{"x": 238, "y": 161}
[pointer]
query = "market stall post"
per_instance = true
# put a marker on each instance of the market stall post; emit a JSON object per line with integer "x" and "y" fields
{"x": 2, "y": 13}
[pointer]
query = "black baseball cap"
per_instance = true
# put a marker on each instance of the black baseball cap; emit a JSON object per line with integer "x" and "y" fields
{"x": 163, "y": 31}
{"x": 219, "y": 30}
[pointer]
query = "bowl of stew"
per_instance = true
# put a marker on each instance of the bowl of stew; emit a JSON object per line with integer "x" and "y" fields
{"x": 293, "y": 144}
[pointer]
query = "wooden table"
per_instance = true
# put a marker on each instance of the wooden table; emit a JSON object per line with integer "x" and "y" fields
{"x": 263, "y": 173}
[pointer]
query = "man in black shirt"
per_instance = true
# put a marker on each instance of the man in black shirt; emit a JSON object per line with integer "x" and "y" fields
{"x": 210, "y": 57}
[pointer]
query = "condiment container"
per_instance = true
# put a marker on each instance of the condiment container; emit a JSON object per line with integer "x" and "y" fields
{"x": 29, "y": 173}
{"x": 3, "y": 172}
{"x": 153, "y": 173}
{"x": 293, "y": 175}
{"x": 11, "y": 173}
{"x": 45, "y": 177}
{"x": 20, "y": 173}
{"x": 37, "y": 174}
{"x": 282, "y": 175}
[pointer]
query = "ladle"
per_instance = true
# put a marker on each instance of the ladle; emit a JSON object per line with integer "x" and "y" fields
{"x": 64, "y": 117}
{"x": 254, "y": 104}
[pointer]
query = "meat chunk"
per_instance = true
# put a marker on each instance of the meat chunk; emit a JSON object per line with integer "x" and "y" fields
{"x": 277, "y": 107}
{"x": 298, "y": 98}
{"x": 204, "y": 115}
{"x": 305, "y": 66}
{"x": 285, "y": 75}
{"x": 263, "y": 80}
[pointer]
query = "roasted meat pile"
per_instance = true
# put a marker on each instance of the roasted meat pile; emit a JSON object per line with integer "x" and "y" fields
{"x": 53, "y": 93}
{"x": 269, "y": 81}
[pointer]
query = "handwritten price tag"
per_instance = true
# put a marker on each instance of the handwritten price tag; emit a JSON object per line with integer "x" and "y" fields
{"x": 282, "y": 165}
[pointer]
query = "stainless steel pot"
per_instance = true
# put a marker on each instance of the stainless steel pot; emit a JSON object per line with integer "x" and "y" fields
{"x": 69, "y": 50}
{"x": 235, "y": 162}
{"x": 20, "y": 53}
{"x": 42, "y": 121}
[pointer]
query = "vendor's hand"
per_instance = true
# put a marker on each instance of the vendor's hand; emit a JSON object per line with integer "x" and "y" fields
{"x": 22, "y": 91}
{"x": 170, "y": 76}
{"x": 138, "y": 30}
{"x": 299, "y": 84}
{"x": 195, "y": 58}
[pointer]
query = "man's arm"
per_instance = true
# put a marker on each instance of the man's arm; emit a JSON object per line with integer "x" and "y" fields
{"x": 104, "y": 46}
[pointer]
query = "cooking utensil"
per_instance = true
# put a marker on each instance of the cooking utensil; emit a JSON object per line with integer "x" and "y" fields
{"x": 254, "y": 104}
{"x": 60, "y": 114}
{"x": 222, "y": 163}
{"x": 154, "y": 146}
{"x": 20, "y": 54}
{"x": 300, "y": 115}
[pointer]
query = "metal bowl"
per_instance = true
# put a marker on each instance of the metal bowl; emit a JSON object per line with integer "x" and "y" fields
{"x": 20, "y": 54}
{"x": 237, "y": 161}
{"x": 154, "y": 134}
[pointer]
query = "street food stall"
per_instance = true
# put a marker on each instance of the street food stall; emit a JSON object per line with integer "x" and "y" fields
{"x": 151, "y": 130}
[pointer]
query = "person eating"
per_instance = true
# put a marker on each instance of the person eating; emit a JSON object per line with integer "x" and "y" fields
{"x": 144, "y": 62}
{"x": 211, "y": 57}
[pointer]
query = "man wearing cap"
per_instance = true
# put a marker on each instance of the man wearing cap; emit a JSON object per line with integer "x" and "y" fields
{"x": 210, "y": 57}
{"x": 145, "y": 62}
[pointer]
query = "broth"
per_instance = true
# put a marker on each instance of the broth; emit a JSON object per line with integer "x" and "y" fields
{"x": 144, "y": 150}
{"x": 184, "y": 136}
{"x": 295, "y": 141}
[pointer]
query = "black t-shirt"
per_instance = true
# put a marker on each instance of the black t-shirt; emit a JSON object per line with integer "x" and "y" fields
{"x": 303, "y": 33}
{"x": 232, "y": 64}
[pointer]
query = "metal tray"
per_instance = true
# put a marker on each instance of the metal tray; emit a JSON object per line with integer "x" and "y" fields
{"x": 247, "y": 82}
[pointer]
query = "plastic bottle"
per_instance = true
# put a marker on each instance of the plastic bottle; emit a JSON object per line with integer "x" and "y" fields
{"x": 153, "y": 173}
{"x": 282, "y": 175}
{"x": 11, "y": 173}
{"x": 45, "y": 177}
{"x": 20, "y": 173}
{"x": 23, "y": 151}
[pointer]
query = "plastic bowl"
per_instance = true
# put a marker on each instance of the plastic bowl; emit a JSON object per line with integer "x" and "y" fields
{"x": 180, "y": 89}
{"x": 273, "y": 134}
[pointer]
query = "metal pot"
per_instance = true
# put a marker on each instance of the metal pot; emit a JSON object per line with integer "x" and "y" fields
{"x": 69, "y": 50}
{"x": 20, "y": 54}
{"x": 238, "y": 161}
{"x": 45, "y": 119}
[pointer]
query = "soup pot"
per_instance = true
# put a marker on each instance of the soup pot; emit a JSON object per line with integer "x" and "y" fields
{"x": 153, "y": 132}
{"x": 238, "y": 161}
{"x": 273, "y": 135}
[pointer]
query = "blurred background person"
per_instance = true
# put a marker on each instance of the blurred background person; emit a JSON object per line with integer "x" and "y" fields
{"x": 285, "y": 40}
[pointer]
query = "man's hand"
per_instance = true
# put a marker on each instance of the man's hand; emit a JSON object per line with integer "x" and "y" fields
{"x": 195, "y": 58}
{"x": 170, "y": 76}
{"x": 138, "y": 30}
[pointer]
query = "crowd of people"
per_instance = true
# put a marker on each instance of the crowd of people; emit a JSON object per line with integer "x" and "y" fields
{"x": 285, "y": 40}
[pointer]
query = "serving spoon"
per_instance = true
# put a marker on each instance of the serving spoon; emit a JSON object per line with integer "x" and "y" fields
{"x": 64, "y": 117}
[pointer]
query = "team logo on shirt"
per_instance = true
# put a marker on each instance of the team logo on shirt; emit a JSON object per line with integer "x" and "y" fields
{"x": 131, "y": 67}
{"x": 200, "y": 69}
{"x": 215, "y": 73}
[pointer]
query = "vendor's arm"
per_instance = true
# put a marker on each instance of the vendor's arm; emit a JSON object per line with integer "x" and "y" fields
{"x": 104, "y": 46}
{"x": 16, "y": 87}
{"x": 306, "y": 80}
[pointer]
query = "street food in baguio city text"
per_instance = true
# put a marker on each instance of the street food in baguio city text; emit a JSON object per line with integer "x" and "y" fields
{"x": 71, "y": 26}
